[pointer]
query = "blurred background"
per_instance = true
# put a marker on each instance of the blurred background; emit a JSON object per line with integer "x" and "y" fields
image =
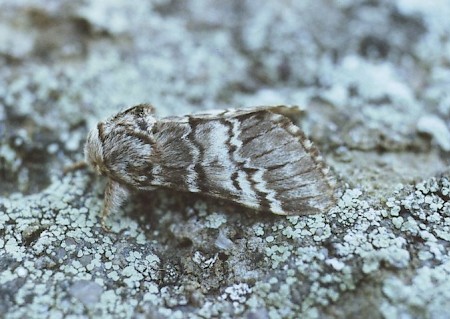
{"x": 370, "y": 75}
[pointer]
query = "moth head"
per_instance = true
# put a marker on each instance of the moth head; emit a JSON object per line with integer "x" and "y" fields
{"x": 93, "y": 152}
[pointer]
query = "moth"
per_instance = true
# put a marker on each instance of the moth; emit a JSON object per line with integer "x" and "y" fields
{"x": 253, "y": 157}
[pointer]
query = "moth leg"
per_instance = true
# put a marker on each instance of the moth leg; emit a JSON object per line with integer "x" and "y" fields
{"x": 115, "y": 195}
{"x": 75, "y": 167}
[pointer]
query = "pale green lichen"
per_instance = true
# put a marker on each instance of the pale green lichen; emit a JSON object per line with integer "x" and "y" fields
{"x": 237, "y": 293}
{"x": 429, "y": 287}
{"x": 214, "y": 220}
{"x": 278, "y": 254}
{"x": 258, "y": 230}
{"x": 89, "y": 257}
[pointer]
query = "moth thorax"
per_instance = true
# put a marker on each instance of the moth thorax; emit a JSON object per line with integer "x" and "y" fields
{"x": 93, "y": 151}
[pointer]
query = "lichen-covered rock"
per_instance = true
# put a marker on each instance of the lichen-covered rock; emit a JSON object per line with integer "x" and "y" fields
{"x": 372, "y": 81}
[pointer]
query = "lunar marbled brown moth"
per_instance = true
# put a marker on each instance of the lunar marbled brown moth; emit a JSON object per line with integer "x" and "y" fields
{"x": 255, "y": 157}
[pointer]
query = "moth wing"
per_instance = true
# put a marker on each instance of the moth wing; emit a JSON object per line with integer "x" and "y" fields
{"x": 253, "y": 157}
{"x": 293, "y": 112}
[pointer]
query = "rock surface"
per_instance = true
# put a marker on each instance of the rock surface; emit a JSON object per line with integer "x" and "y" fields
{"x": 373, "y": 80}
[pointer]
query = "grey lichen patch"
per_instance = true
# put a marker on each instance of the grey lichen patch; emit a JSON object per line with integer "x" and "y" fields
{"x": 369, "y": 247}
{"x": 426, "y": 215}
{"x": 395, "y": 98}
{"x": 45, "y": 239}
{"x": 380, "y": 173}
{"x": 426, "y": 288}
{"x": 215, "y": 220}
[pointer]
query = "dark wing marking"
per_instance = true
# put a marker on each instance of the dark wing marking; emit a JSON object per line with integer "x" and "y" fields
{"x": 253, "y": 157}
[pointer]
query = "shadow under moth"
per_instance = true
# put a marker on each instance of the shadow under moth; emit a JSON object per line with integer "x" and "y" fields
{"x": 254, "y": 157}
